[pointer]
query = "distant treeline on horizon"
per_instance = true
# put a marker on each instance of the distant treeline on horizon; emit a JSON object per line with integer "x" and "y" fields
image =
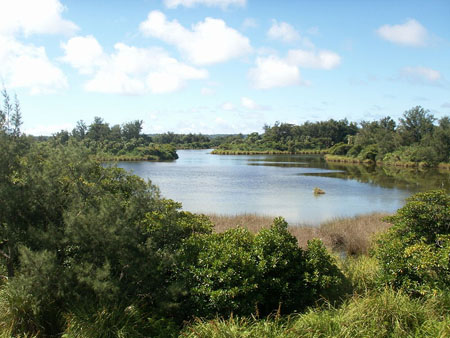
{"x": 417, "y": 137}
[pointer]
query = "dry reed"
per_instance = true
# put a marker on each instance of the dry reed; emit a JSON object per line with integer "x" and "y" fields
{"x": 350, "y": 235}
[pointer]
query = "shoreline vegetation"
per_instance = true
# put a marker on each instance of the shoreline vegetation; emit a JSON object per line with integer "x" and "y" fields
{"x": 418, "y": 139}
{"x": 400, "y": 164}
{"x": 268, "y": 152}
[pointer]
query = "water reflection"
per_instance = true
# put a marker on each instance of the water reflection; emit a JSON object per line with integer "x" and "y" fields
{"x": 281, "y": 185}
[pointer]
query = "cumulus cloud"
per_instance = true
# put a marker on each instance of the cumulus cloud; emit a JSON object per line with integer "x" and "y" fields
{"x": 210, "y": 3}
{"x": 283, "y": 31}
{"x": 27, "y": 66}
{"x": 34, "y": 17}
{"x": 410, "y": 33}
{"x": 312, "y": 59}
{"x": 272, "y": 71}
{"x": 208, "y": 42}
{"x": 421, "y": 75}
{"x": 128, "y": 70}
{"x": 83, "y": 53}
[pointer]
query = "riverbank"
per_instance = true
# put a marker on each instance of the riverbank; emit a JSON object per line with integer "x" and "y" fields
{"x": 268, "y": 152}
{"x": 400, "y": 164}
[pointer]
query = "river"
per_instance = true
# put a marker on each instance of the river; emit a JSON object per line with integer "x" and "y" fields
{"x": 282, "y": 185}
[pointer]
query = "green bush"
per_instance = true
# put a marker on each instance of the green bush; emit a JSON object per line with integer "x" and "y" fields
{"x": 369, "y": 153}
{"x": 414, "y": 253}
{"x": 240, "y": 273}
{"x": 221, "y": 271}
{"x": 340, "y": 148}
{"x": 354, "y": 151}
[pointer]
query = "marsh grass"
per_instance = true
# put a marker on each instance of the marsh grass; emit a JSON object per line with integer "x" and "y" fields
{"x": 349, "y": 235}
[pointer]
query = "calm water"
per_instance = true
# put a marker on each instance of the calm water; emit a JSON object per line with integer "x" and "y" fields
{"x": 282, "y": 185}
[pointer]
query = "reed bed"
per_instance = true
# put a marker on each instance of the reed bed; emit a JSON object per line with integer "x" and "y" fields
{"x": 350, "y": 235}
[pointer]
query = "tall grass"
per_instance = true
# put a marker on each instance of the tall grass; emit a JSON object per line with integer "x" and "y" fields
{"x": 236, "y": 327}
{"x": 377, "y": 314}
{"x": 350, "y": 235}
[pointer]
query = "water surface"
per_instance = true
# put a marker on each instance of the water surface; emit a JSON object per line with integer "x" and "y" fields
{"x": 282, "y": 185}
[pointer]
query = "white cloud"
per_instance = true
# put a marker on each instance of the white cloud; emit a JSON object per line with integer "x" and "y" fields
{"x": 210, "y": 3}
{"x": 310, "y": 59}
{"x": 210, "y": 41}
{"x": 272, "y": 72}
{"x": 411, "y": 33}
{"x": 227, "y": 106}
{"x": 34, "y": 17}
{"x": 249, "y": 103}
{"x": 283, "y": 31}
{"x": 27, "y": 66}
{"x": 421, "y": 75}
{"x": 83, "y": 53}
{"x": 128, "y": 70}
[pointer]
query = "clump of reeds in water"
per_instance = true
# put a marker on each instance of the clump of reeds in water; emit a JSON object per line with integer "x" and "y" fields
{"x": 318, "y": 191}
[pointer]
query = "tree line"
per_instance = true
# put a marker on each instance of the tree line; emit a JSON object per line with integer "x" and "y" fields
{"x": 417, "y": 137}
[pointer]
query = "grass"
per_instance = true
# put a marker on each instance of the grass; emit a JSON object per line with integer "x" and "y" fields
{"x": 386, "y": 313}
{"x": 350, "y": 235}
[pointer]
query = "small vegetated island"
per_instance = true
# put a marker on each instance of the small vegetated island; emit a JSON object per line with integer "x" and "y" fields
{"x": 92, "y": 251}
{"x": 417, "y": 139}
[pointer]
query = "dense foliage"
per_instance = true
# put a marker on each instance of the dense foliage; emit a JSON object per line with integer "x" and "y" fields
{"x": 415, "y": 253}
{"x": 292, "y": 138}
{"x": 417, "y": 138}
{"x": 124, "y": 142}
{"x": 237, "y": 272}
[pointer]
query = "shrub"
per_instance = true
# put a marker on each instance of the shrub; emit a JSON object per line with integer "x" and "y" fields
{"x": 414, "y": 253}
{"x": 322, "y": 276}
{"x": 221, "y": 271}
{"x": 240, "y": 273}
{"x": 369, "y": 153}
{"x": 354, "y": 151}
{"x": 281, "y": 266}
{"x": 340, "y": 149}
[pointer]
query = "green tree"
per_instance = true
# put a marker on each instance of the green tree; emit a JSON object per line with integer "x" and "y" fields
{"x": 415, "y": 125}
{"x": 132, "y": 129}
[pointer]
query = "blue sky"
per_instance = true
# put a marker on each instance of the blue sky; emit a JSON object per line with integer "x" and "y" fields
{"x": 222, "y": 66}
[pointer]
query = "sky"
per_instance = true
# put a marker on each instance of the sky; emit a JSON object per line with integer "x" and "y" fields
{"x": 222, "y": 66}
